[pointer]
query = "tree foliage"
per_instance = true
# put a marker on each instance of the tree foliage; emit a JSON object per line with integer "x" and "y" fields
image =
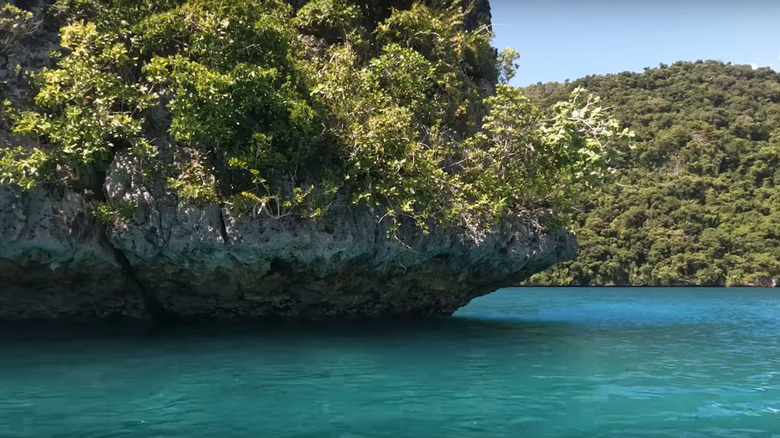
{"x": 697, "y": 200}
{"x": 272, "y": 109}
{"x": 15, "y": 25}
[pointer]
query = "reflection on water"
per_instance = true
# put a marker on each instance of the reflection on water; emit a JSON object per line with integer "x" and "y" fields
{"x": 521, "y": 362}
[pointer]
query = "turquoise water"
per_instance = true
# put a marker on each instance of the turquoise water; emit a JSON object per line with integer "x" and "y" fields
{"x": 517, "y": 363}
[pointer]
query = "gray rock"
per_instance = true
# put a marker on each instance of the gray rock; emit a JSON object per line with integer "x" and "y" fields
{"x": 54, "y": 261}
{"x": 185, "y": 261}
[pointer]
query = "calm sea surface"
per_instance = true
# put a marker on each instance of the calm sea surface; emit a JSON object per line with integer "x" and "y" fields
{"x": 517, "y": 363}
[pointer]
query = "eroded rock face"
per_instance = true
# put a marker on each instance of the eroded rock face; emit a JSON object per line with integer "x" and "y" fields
{"x": 297, "y": 268}
{"x": 183, "y": 261}
{"x": 764, "y": 281}
{"x": 54, "y": 261}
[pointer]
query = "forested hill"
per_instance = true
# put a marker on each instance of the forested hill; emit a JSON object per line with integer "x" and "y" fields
{"x": 696, "y": 201}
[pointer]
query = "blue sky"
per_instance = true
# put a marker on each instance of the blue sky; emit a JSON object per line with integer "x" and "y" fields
{"x": 569, "y": 39}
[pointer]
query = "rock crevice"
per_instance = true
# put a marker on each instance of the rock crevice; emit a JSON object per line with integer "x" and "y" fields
{"x": 151, "y": 304}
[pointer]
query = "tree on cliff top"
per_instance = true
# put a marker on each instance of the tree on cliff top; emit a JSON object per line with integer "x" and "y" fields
{"x": 272, "y": 109}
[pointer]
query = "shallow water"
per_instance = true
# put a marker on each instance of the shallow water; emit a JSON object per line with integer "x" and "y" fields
{"x": 520, "y": 362}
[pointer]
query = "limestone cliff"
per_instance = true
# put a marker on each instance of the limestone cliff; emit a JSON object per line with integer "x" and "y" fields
{"x": 178, "y": 260}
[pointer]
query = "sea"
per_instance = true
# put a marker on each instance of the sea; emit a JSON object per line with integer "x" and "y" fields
{"x": 521, "y": 362}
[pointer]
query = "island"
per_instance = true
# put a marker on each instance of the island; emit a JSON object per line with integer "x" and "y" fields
{"x": 247, "y": 160}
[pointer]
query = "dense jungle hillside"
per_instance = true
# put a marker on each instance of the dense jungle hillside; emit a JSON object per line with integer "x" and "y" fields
{"x": 696, "y": 200}
{"x": 271, "y": 108}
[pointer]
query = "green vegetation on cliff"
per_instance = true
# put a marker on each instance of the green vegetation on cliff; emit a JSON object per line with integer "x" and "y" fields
{"x": 696, "y": 201}
{"x": 270, "y": 108}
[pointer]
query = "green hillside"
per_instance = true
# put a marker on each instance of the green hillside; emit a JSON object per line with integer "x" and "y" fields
{"x": 696, "y": 201}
